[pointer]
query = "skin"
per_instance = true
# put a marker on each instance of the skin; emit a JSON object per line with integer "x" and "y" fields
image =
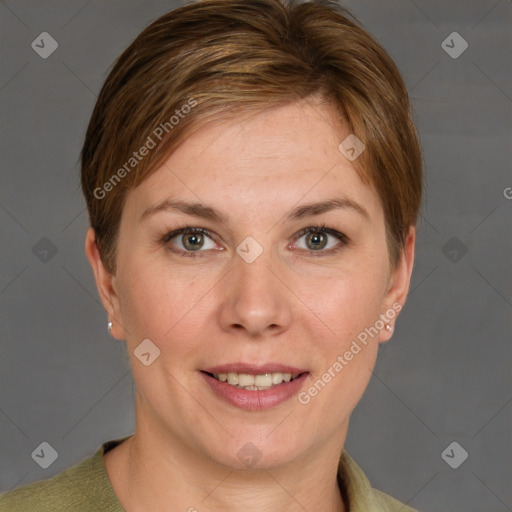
{"x": 292, "y": 305}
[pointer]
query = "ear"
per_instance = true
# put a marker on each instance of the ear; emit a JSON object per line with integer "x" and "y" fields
{"x": 106, "y": 284}
{"x": 398, "y": 286}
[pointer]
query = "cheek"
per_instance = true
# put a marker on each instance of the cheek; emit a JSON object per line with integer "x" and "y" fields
{"x": 347, "y": 304}
{"x": 347, "y": 351}
{"x": 160, "y": 303}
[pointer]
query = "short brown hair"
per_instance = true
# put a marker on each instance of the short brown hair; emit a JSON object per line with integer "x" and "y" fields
{"x": 222, "y": 58}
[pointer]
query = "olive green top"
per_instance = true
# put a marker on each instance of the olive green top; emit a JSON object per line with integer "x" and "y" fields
{"x": 85, "y": 487}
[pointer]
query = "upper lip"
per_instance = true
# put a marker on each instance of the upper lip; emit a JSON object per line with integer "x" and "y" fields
{"x": 254, "y": 369}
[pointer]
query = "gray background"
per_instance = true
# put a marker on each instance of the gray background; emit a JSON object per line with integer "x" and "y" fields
{"x": 446, "y": 374}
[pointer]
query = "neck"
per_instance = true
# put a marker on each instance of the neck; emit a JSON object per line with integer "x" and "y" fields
{"x": 155, "y": 471}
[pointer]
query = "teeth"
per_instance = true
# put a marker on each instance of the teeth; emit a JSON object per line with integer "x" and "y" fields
{"x": 233, "y": 379}
{"x": 255, "y": 382}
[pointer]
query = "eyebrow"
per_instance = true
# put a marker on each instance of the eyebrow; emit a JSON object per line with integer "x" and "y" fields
{"x": 206, "y": 212}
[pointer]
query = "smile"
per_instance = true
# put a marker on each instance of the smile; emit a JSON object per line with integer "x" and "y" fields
{"x": 258, "y": 382}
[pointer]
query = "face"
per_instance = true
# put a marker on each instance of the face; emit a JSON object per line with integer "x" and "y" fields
{"x": 249, "y": 290}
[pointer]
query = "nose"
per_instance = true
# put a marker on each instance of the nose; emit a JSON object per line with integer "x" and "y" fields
{"x": 255, "y": 302}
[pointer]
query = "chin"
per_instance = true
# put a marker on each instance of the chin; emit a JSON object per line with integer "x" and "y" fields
{"x": 261, "y": 451}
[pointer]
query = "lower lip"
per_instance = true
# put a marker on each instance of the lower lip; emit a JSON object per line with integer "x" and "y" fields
{"x": 255, "y": 400}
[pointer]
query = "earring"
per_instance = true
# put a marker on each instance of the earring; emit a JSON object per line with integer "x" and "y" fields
{"x": 109, "y": 327}
{"x": 388, "y": 327}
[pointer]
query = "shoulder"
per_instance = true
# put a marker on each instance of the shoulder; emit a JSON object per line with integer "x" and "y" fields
{"x": 82, "y": 488}
{"x": 389, "y": 504}
{"x": 359, "y": 494}
{"x": 54, "y": 494}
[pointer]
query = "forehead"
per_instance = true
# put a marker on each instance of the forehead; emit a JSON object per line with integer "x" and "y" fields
{"x": 281, "y": 157}
{"x": 275, "y": 140}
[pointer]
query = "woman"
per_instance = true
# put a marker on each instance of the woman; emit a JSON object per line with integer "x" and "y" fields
{"x": 253, "y": 180}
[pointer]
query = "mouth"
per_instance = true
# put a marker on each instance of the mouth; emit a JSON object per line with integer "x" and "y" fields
{"x": 254, "y": 382}
{"x": 255, "y": 387}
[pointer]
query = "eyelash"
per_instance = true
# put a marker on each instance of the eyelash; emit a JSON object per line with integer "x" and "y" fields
{"x": 311, "y": 229}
